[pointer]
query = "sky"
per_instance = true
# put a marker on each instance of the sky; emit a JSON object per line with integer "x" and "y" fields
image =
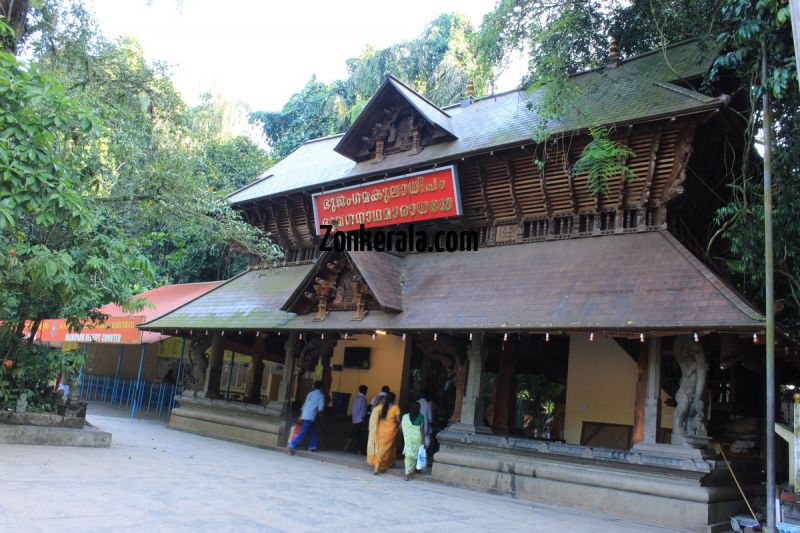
{"x": 261, "y": 52}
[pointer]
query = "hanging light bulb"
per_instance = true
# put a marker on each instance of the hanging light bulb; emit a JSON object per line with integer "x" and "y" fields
{"x": 206, "y": 332}
{"x": 435, "y": 336}
{"x": 755, "y": 338}
{"x": 222, "y": 334}
{"x": 279, "y": 334}
{"x": 404, "y": 336}
{"x": 591, "y": 336}
{"x": 546, "y": 337}
{"x": 300, "y": 337}
{"x": 696, "y": 337}
{"x": 470, "y": 337}
{"x": 346, "y": 335}
{"x": 190, "y": 331}
{"x": 258, "y": 333}
{"x": 322, "y": 336}
{"x": 240, "y": 332}
{"x": 176, "y": 332}
{"x": 373, "y": 336}
{"x": 641, "y": 337}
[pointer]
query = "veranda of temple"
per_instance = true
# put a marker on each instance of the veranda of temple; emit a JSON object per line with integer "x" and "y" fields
{"x": 585, "y": 355}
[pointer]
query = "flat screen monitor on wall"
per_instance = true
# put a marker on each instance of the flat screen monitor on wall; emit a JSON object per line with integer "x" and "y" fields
{"x": 356, "y": 358}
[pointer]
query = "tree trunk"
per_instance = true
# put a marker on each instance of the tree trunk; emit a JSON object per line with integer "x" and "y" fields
{"x": 15, "y": 14}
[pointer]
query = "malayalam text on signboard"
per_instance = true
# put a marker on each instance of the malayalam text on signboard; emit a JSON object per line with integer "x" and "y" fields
{"x": 410, "y": 198}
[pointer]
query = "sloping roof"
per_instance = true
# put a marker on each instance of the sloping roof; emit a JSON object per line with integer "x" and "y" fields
{"x": 634, "y": 282}
{"x": 383, "y": 274}
{"x": 351, "y": 142}
{"x": 637, "y": 89}
{"x": 164, "y": 299}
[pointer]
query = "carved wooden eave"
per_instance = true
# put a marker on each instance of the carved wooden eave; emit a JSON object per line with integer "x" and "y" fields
{"x": 683, "y": 152}
{"x": 396, "y": 119}
{"x": 355, "y": 282}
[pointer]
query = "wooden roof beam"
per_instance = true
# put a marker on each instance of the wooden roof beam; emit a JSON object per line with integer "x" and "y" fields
{"x": 512, "y": 189}
{"x": 674, "y": 185}
{"x": 484, "y": 193}
{"x": 621, "y": 196}
{"x": 651, "y": 169}
{"x": 540, "y": 157}
{"x": 283, "y": 239}
{"x": 297, "y": 240}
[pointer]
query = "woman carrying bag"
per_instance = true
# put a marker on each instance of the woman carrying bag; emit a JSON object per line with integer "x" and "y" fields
{"x": 414, "y": 436}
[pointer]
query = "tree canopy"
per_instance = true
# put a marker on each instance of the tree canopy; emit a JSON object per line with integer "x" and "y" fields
{"x": 437, "y": 64}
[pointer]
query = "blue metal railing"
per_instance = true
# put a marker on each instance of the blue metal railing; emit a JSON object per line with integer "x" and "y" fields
{"x": 149, "y": 396}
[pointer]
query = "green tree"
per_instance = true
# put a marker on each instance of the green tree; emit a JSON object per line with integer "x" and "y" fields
{"x": 59, "y": 256}
{"x": 437, "y": 64}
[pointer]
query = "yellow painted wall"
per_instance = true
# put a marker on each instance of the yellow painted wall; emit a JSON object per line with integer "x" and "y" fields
{"x": 601, "y": 385}
{"x": 386, "y": 365}
{"x": 102, "y": 360}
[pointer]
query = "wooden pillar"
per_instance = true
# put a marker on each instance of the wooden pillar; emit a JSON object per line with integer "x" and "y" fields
{"x": 472, "y": 409}
{"x": 652, "y": 401}
{"x": 408, "y": 346}
{"x": 641, "y": 394}
{"x": 461, "y": 367}
{"x": 283, "y": 403}
{"x": 794, "y": 448}
{"x": 214, "y": 372}
{"x": 256, "y": 378}
{"x": 503, "y": 390}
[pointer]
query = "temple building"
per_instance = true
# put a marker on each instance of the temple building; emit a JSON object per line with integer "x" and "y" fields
{"x": 585, "y": 354}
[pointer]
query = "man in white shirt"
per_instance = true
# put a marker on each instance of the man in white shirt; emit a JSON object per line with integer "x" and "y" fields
{"x": 358, "y": 416}
{"x": 426, "y": 411}
{"x": 384, "y": 391}
{"x": 314, "y": 404}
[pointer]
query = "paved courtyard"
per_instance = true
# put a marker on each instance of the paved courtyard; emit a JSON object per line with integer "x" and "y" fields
{"x": 156, "y": 479}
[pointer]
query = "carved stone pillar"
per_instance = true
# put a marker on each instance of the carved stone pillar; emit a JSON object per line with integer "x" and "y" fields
{"x": 472, "y": 409}
{"x": 503, "y": 390}
{"x": 214, "y": 371}
{"x": 652, "y": 399}
{"x": 283, "y": 403}
{"x": 689, "y": 418}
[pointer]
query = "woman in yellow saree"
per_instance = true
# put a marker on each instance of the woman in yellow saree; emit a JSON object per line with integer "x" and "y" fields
{"x": 383, "y": 425}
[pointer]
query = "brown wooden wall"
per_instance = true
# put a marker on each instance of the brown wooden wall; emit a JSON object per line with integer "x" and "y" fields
{"x": 509, "y": 187}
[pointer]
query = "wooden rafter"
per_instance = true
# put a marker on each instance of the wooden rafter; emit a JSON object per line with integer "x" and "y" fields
{"x": 651, "y": 169}
{"x": 573, "y": 195}
{"x": 309, "y": 212}
{"x": 296, "y": 239}
{"x": 484, "y": 193}
{"x": 540, "y": 155}
{"x": 282, "y": 237}
{"x": 512, "y": 188}
{"x": 677, "y": 175}
{"x": 621, "y": 196}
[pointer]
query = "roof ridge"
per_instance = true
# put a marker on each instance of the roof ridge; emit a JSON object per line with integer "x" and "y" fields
{"x": 438, "y": 108}
{"x": 726, "y": 290}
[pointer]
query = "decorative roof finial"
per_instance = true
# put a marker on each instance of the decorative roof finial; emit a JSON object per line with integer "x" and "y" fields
{"x": 470, "y": 89}
{"x": 387, "y": 74}
{"x": 613, "y": 50}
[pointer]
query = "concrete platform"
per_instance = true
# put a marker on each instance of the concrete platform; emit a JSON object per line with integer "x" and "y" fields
{"x": 156, "y": 479}
{"x": 88, "y": 436}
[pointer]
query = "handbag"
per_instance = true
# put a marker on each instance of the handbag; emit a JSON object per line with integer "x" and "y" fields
{"x": 296, "y": 431}
{"x": 422, "y": 458}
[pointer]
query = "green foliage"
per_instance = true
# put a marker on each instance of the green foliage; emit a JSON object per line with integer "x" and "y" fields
{"x": 32, "y": 372}
{"x": 59, "y": 257}
{"x": 437, "y": 64}
{"x": 602, "y": 160}
{"x": 161, "y": 169}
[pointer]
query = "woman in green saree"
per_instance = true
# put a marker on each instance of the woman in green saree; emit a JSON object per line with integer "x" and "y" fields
{"x": 413, "y": 435}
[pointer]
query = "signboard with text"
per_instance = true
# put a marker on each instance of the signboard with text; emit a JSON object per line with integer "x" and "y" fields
{"x": 115, "y": 330}
{"x": 416, "y": 197}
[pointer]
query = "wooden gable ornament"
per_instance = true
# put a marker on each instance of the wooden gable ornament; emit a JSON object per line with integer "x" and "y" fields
{"x": 334, "y": 284}
{"x": 396, "y": 119}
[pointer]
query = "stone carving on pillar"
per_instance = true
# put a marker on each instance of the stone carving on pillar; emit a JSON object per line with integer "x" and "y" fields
{"x": 689, "y": 419}
{"x": 472, "y": 411}
{"x": 450, "y": 352}
{"x": 197, "y": 362}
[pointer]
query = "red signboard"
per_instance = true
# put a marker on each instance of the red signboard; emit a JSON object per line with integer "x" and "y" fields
{"x": 115, "y": 330}
{"x": 410, "y": 198}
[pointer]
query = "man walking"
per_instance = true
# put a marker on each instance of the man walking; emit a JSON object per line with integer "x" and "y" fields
{"x": 314, "y": 404}
{"x": 358, "y": 416}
